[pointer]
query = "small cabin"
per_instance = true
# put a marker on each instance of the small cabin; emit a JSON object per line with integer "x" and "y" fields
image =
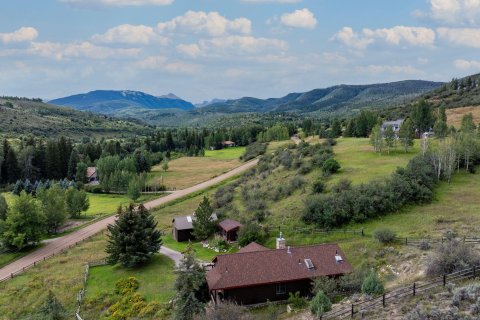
{"x": 228, "y": 144}
{"x": 92, "y": 175}
{"x": 182, "y": 229}
{"x": 229, "y": 229}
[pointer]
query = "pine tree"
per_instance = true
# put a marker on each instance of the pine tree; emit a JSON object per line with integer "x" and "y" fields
{"x": 134, "y": 188}
{"x": 133, "y": 238}
{"x": 336, "y": 129}
{"x": 203, "y": 224}
{"x": 191, "y": 287}
{"x": 52, "y": 309}
{"x": 372, "y": 284}
{"x": 11, "y": 166}
{"x": 406, "y": 134}
{"x": 3, "y": 208}
{"x": 72, "y": 165}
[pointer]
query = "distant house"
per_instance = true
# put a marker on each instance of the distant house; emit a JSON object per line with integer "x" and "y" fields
{"x": 229, "y": 229}
{"x": 395, "y": 125}
{"x": 228, "y": 144}
{"x": 92, "y": 175}
{"x": 182, "y": 229}
{"x": 257, "y": 274}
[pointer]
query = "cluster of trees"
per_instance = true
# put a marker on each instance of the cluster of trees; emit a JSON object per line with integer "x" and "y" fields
{"x": 36, "y": 186}
{"x": 347, "y": 203}
{"x": 29, "y": 218}
{"x": 276, "y": 133}
{"x": 361, "y": 125}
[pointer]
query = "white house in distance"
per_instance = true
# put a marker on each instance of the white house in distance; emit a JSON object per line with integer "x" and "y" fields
{"x": 395, "y": 125}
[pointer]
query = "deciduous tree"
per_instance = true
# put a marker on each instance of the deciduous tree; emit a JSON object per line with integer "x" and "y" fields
{"x": 76, "y": 202}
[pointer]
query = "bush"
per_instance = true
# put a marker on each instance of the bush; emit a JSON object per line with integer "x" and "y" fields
{"x": 305, "y": 168}
{"x": 451, "y": 256}
{"x": 296, "y": 300}
{"x": 254, "y": 150}
{"x": 329, "y": 286}
{"x": 320, "y": 304}
{"x": 251, "y": 232}
{"x": 372, "y": 285}
{"x": 384, "y": 236}
{"x": 331, "y": 166}
{"x": 424, "y": 245}
{"x": 318, "y": 186}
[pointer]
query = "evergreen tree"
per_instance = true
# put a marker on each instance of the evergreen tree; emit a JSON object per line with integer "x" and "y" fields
{"x": 52, "y": 170}
{"x": 24, "y": 224}
{"x": 76, "y": 201}
{"x": 406, "y": 134}
{"x": 3, "y": 163}
{"x": 53, "y": 203}
{"x": 422, "y": 116}
{"x": 203, "y": 224}
{"x": 372, "y": 284}
{"x": 52, "y": 309}
{"x": 72, "y": 165}
{"x": 336, "y": 128}
{"x": 320, "y": 304}
{"x": 133, "y": 238}
{"x": 11, "y": 165}
{"x": 81, "y": 172}
{"x": 3, "y": 208}
{"x": 468, "y": 125}
{"x": 134, "y": 188}
{"x": 192, "y": 293}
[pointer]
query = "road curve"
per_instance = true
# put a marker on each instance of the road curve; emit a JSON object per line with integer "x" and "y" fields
{"x": 58, "y": 244}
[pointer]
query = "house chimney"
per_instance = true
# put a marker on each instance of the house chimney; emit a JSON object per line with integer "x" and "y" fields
{"x": 281, "y": 242}
{"x": 288, "y": 250}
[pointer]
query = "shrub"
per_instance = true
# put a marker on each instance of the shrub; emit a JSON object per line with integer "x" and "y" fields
{"x": 384, "y": 236}
{"x": 251, "y": 232}
{"x": 352, "y": 282}
{"x": 296, "y": 300}
{"x": 372, "y": 284}
{"x": 219, "y": 244}
{"x": 254, "y": 150}
{"x": 331, "y": 166}
{"x": 424, "y": 245}
{"x": 329, "y": 286}
{"x": 224, "y": 311}
{"x": 320, "y": 304}
{"x": 451, "y": 256}
{"x": 342, "y": 185}
{"x": 305, "y": 168}
{"x": 318, "y": 186}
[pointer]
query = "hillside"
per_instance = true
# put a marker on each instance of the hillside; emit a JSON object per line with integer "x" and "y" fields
{"x": 338, "y": 99}
{"x": 113, "y": 102}
{"x": 42, "y": 119}
{"x": 464, "y": 92}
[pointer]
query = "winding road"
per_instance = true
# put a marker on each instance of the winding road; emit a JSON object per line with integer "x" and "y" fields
{"x": 57, "y": 245}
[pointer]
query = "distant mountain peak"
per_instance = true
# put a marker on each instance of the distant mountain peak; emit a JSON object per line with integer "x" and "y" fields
{"x": 170, "y": 96}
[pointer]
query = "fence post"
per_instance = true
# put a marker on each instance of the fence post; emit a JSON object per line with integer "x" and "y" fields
{"x": 414, "y": 289}
{"x": 353, "y": 311}
{"x": 383, "y": 300}
{"x": 406, "y": 241}
{"x": 444, "y": 280}
{"x": 362, "y": 233}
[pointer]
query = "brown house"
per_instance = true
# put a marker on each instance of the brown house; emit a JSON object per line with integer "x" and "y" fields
{"x": 256, "y": 274}
{"x": 229, "y": 229}
{"x": 182, "y": 229}
{"x": 92, "y": 175}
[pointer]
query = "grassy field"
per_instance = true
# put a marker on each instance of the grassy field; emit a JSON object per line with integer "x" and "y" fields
{"x": 360, "y": 164}
{"x": 103, "y": 204}
{"x": 102, "y": 279}
{"x": 454, "y": 116}
{"x": 225, "y": 154}
{"x": 188, "y": 171}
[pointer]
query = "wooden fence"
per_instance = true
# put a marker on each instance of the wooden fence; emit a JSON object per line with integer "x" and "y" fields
{"x": 418, "y": 241}
{"x": 81, "y": 293}
{"x": 307, "y": 230}
{"x": 400, "y": 293}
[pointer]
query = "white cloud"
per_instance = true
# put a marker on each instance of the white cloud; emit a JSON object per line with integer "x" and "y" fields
{"x": 130, "y": 34}
{"x": 78, "y": 50}
{"x": 211, "y": 23}
{"x": 379, "y": 69}
{"x": 416, "y": 36}
{"x": 303, "y": 18}
{"x": 245, "y": 44}
{"x": 162, "y": 63}
{"x": 466, "y": 64}
{"x": 467, "y": 37}
{"x": 398, "y": 35}
{"x": 21, "y": 35}
{"x": 117, "y": 3}
{"x": 352, "y": 39}
{"x": 191, "y": 50}
{"x": 455, "y": 11}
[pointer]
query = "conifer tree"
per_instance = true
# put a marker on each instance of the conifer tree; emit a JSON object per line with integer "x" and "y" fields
{"x": 72, "y": 165}
{"x": 52, "y": 309}
{"x": 11, "y": 165}
{"x": 3, "y": 208}
{"x": 203, "y": 224}
{"x": 133, "y": 238}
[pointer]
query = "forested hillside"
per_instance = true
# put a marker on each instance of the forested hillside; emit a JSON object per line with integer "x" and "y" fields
{"x": 23, "y": 116}
{"x": 457, "y": 93}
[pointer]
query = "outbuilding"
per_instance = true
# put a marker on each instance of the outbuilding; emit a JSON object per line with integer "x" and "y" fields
{"x": 229, "y": 229}
{"x": 182, "y": 229}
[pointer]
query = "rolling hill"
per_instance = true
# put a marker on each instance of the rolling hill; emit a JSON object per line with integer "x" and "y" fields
{"x": 23, "y": 116}
{"x": 119, "y": 102}
{"x": 337, "y": 99}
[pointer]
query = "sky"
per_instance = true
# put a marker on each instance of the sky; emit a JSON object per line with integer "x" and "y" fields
{"x": 205, "y": 49}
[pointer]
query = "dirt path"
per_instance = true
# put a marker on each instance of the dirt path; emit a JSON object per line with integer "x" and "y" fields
{"x": 58, "y": 244}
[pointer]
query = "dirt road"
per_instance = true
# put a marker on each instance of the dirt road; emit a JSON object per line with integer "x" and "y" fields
{"x": 58, "y": 244}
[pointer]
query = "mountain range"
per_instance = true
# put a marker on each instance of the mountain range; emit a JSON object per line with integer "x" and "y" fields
{"x": 172, "y": 110}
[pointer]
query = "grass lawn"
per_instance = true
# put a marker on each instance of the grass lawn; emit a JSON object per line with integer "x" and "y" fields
{"x": 225, "y": 154}
{"x": 102, "y": 204}
{"x": 360, "y": 164}
{"x": 156, "y": 279}
{"x": 188, "y": 171}
{"x": 202, "y": 253}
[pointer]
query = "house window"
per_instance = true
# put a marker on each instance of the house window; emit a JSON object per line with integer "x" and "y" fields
{"x": 281, "y": 289}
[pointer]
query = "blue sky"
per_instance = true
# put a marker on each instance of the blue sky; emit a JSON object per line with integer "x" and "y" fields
{"x": 204, "y": 49}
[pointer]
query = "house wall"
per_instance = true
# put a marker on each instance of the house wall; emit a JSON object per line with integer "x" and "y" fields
{"x": 262, "y": 293}
{"x": 183, "y": 235}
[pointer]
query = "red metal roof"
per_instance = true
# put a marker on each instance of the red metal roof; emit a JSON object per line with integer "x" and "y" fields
{"x": 229, "y": 225}
{"x": 246, "y": 269}
{"x": 91, "y": 171}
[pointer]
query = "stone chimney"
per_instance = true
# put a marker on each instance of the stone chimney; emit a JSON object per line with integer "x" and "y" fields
{"x": 281, "y": 243}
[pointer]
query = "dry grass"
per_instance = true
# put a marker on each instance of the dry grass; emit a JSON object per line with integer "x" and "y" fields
{"x": 188, "y": 171}
{"x": 454, "y": 116}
